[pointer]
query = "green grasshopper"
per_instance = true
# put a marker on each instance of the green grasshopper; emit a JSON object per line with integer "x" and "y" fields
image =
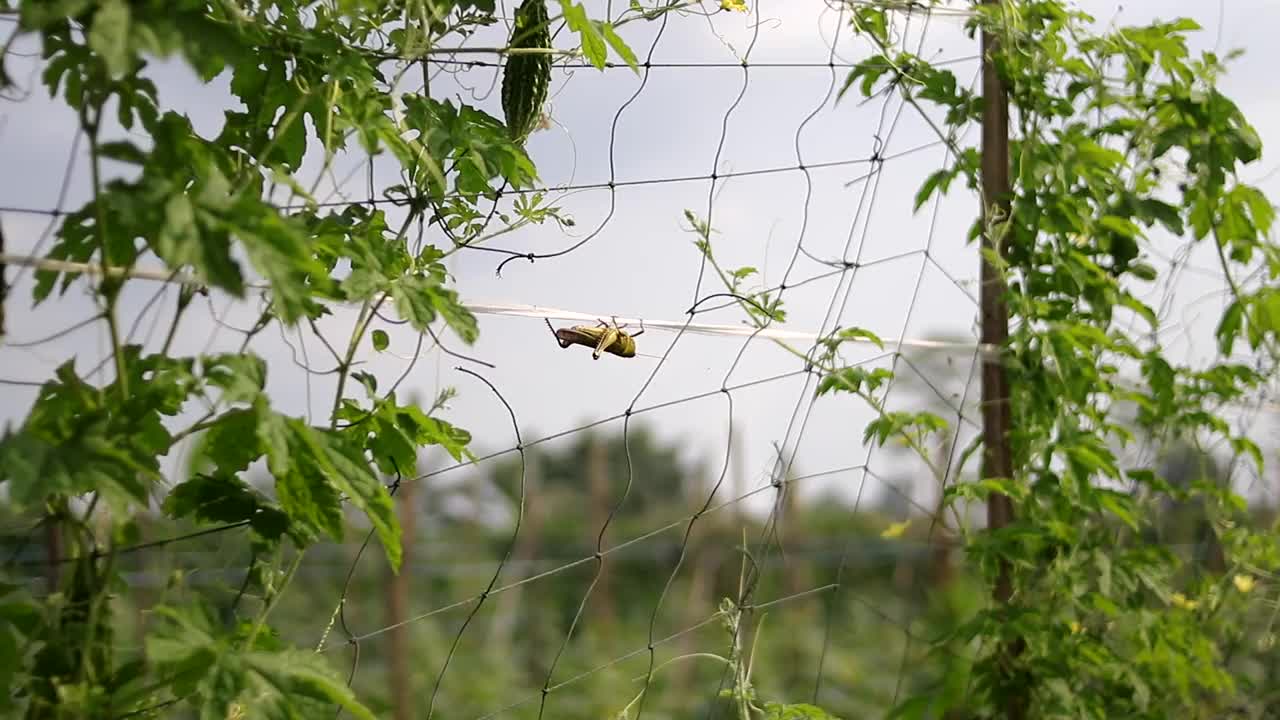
{"x": 605, "y": 337}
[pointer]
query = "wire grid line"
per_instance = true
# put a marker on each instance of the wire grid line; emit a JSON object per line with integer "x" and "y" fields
{"x": 693, "y": 519}
{"x": 627, "y": 416}
{"x": 934, "y": 518}
{"x": 341, "y": 610}
{"x": 578, "y": 187}
{"x": 770, "y": 531}
{"x": 774, "y": 519}
{"x": 949, "y": 143}
{"x": 613, "y": 136}
{"x": 521, "y": 447}
{"x": 702, "y": 266}
{"x": 511, "y": 544}
{"x": 610, "y": 65}
{"x": 634, "y": 653}
{"x": 846, "y": 270}
{"x": 762, "y": 327}
{"x": 695, "y": 516}
{"x": 564, "y": 567}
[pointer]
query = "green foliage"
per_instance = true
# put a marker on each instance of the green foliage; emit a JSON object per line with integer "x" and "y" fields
{"x": 762, "y": 306}
{"x": 1101, "y": 623}
{"x": 394, "y": 433}
{"x": 798, "y": 711}
{"x": 79, "y": 439}
{"x": 1098, "y": 117}
{"x": 226, "y": 498}
{"x": 310, "y": 80}
{"x": 473, "y": 142}
{"x": 246, "y": 667}
{"x": 596, "y": 36}
{"x": 1105, "y": 622}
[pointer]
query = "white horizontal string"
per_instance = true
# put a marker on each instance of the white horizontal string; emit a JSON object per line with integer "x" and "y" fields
{"x": 535, "y": 311}
{"x": 523, "y": 310}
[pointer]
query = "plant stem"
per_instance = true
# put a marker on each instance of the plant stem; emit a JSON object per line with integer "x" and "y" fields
{"x": 113, "y": 325}
{"x": 184, "y": 300}
{"x": 367, "y": 311}
{"x": 274, "y": 599}
{"x": 204, "y": 423}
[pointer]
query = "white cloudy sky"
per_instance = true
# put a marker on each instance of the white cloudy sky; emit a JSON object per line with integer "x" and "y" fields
{"x": 641, "y": 262}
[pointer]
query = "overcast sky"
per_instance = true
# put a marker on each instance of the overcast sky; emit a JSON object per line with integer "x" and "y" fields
{"x": 641, "y": 261}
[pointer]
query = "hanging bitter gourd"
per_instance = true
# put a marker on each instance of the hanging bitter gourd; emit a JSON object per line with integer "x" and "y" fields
{"x": 527, "y": 75}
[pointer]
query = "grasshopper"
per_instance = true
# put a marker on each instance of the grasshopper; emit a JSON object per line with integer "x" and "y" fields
{"x": 605, "y": 337}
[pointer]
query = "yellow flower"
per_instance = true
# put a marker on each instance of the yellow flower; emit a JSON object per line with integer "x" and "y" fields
{"x": 731, "y": 5}
{"x": 895, "y": 530}
{"x": 1244, "y": 583}
{"x": 1181, "y": 601}
{"x": 1076, "y": 628}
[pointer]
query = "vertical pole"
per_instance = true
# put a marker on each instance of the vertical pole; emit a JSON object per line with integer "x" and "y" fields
{"x": 997, "y": 461}
{"x": 519, "y": 608}
{"x": 996, "y": 421}
{"x": 598, "y": 482}
{"x": 738, "y": 475}
{"x": 940, "y": 572}
{"x": 4, "y": 284}
{"x": 402, "y": 702}
{"x": 53, "y": 552}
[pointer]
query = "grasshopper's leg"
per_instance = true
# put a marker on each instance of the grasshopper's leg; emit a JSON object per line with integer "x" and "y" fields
{"x": 559, "y": 342}
{"x": 606, "y": 340}
{"x": 624, "y": 327}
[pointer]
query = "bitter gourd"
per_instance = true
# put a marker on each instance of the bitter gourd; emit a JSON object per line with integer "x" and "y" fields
{"x": 527, "y": 76}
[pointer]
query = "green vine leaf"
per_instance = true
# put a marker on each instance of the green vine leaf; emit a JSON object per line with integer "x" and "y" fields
{"x": 420, "y": 299}
{"x": 221, "y": 670}
{"x": 594, "y": 48}
{"x": 620, "y": 46}
{"x": 241, "y": 377}
{"x": 109, "y": 36}
{"x": 796, "y": 711}
{"x": 226, "y": 499}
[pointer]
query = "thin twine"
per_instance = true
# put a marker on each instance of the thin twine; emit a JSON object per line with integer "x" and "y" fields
{"x": 521, "y": 309}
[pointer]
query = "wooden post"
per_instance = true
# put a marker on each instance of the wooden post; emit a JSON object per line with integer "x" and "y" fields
{"x": 940, "y": 572}
{"x": 738, "y": 476}
{"x": 402, "y": 701}
{"x": 701, "y": 580}
{"x": 53, "y": 552}
{"x": 996, "y": 421}
{"x": 512, "y": 613}
{"x": 4, "y": 283}
{"x": 598, "y": 480}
